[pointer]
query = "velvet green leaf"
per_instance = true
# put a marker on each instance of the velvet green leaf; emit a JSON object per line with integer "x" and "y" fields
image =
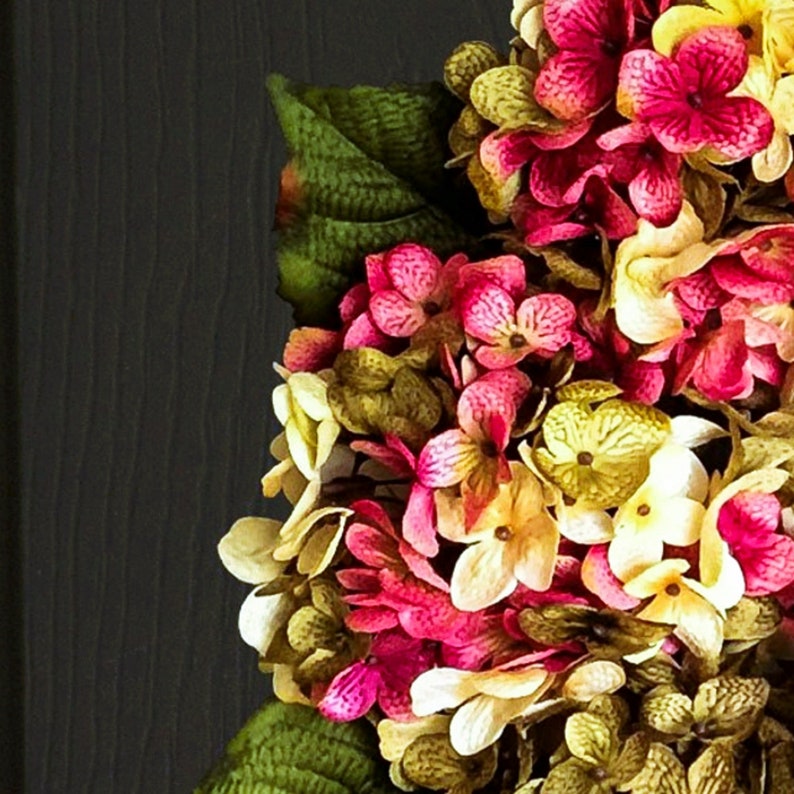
{"x": 289, "y": 749}
{"x": 366, "y": 172}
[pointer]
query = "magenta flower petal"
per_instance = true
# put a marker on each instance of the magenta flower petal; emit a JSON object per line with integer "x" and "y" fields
{"x": 657, "y": 194}
{"x": 370, "y": 546}
{"x": 733, "y": 275}
{"x": 739, "y": 113}
{"x": 573, "y": 85}
{"x": 351, "y": 694}
{"x": 507, "y": 272}
{"x": 371, "y": 620}
{"x": 396, "y": 315}
{"x": 487, "y": 310}
{"x": 362, "y": 332}
{"x": 496, "y": 358}
{"x": 485, "y": 406}
{"x": 414, "y": 270}
{"x": 311, "y": 349}
{"x": 647, "y": 81}
{"x": 418, "y": 527}
{"x": 377, "y": 276}
{"x": 713, "y": 60}
{"x": 546, "y": 320}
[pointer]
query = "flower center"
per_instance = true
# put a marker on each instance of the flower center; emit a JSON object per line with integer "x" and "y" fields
{"x": 599, "y": 773}
{"x": 672, "y": 590}
{"x": 643, "y": 510}
{"x": 503, "y": 533}
{"x": 611, "y": 48}
{"x": 517, "y": 340}
{"x": 694, "y": 99}
{"x": 746, "y": 31}
{"x": 489, "y": 448}
{"x": 585, "y": 458}
{"x": 431, "y": 308}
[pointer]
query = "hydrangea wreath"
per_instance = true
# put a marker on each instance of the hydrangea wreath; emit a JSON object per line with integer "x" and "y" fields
{"x": 538, "y": 419}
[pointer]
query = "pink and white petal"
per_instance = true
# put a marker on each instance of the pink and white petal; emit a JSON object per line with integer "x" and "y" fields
{"x": 502, "y": 154}
{"x": 482, "y": 576}
{"x": 363, "y": 332}
{"x": 576, "y": 84}
{"x": 563, "y": 139}
{"x": 351, "y": 694}
{"x": 414, "y": 270}
{"x": 421, "y": 568}
{"x": 598, "y": 578}
{"x": 500, "y": 357}
{"x": 578, "y": 24}
{"x": 447, "y": 459}
{"x": 513, "y": 384}
{"x": 624, "y": 135}
{"x": 356, "y": 300}
{"x": 507, "y": 272}
{"x": 546, "y": 321}
{"x": 713, "y": 60}
{"x": 418, "y": 526}
{"x": 738, "y": 128}
{"x": 745, "y": 515}
{"x": 657, "y": 194}
{"x": 387, "y": 456}
{"x": 488, "y": 312}
{"x": 480, "y": 405}
{"x": 396, "y": 315}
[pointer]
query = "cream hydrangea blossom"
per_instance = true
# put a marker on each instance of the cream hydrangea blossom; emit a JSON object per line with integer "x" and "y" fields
{"x": 485, "y": 701}
{"x": 667, "y": 508}
{"x": 776, "y": 94}
{"x": 645, "y": 264}
{"x": 527, "y": 18}
{"x": 697, "y": 611}
{"x": 514, "y": 540}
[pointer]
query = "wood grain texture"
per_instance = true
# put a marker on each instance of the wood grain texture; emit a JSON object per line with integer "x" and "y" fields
{"x": 147, "y": 165}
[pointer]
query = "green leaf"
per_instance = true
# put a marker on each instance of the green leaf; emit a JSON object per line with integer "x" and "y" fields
{"x": 289, "y": 749}
{"x": 367, "y": 172}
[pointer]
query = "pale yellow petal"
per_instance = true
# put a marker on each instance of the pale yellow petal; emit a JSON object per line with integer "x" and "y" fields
{"x": 592, "y": 679}
{"x": 584, "y": 525}
{"x": 699, "y": 626}
{"x": 681, "y": 21}
{"x": 272, "y": 481}
{"x": 534, "y": 553}
{"x": 301, "y": 452}
{"x": 396, "y": 736}
{"x": 285, "y": 688}
{"x": 246, "y": 550}
{"x": 480, "y": 722}
{"x": 772, "y": 163}
{"x": 692, "y": 431}
{"x": 631, "y": 553}
{"x": 655, "y": 579}
{"x": 482, "y": 576}
{"x": 282, "y": 403}
{"x": 509, "y": 684}
{"x": 728, "y": 590}
{"x": 441, "y": 688}
{"x": 677, "y": 471}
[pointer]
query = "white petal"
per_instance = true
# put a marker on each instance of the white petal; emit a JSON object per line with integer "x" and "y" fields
{"x": 631, "y": 553}
{"x": 584, "y": 525}
{"x": 692, "y": 431}
{"x": 261, "y": 617}
{"x": 480, "y": 722}
{"x": 592, "y": 679}
{"x": 677, "y": 471}
{"x": 310, "y": 392}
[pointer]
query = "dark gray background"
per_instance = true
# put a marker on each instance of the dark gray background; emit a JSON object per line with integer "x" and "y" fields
{"x": 147, "y": 161}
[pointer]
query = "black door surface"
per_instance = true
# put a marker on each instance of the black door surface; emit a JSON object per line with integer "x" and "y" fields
{"x": 142, "y": 280}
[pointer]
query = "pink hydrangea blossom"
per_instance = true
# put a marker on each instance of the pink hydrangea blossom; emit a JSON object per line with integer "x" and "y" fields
{"x": 384, "y": 677}
{"x": 685, "y": 99}
{"x": 540, "y": 325}
{"x": 749, "y": 523}
{"x": 590, "y": 36}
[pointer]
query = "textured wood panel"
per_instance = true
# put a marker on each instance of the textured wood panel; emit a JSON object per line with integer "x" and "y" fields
{"x": 147, "y": 166}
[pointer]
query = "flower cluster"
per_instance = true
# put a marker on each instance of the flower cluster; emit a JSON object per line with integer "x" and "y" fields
{"x": 542, "y": 523}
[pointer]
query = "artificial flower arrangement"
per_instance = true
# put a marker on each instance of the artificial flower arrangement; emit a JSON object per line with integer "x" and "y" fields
{"x": 539, "y": 413}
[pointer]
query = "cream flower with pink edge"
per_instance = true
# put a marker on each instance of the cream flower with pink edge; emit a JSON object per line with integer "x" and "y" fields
{"x": 667, "y": 508}
{"x": 697, "y": 612}
{"x": 514, "y": 540}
